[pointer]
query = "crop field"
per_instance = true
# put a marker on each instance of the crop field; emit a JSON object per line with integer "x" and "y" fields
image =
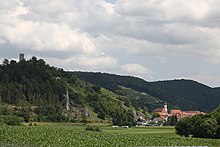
{"x": 75, "y": 135}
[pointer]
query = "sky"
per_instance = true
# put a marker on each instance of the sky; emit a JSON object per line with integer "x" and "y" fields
{"x": 151, "y": 39}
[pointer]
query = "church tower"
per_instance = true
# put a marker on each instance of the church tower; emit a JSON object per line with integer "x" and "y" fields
{"x": 165, "y": 107}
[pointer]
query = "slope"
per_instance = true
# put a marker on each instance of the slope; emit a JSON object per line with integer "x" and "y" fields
{"x": 185, "y": 94}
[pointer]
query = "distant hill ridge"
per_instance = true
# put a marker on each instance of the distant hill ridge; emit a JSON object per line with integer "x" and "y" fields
{"x": 184, "y": 94}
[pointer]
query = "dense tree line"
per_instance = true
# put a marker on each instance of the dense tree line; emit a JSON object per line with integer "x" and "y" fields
{"x": 202, "y": 126}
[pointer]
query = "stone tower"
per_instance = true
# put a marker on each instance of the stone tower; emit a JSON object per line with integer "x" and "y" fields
{"x": 21, "y": 57}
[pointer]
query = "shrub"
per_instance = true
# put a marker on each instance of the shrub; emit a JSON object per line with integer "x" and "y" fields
{"x": 93, "y": 128}
{"x": 11, "y": 120}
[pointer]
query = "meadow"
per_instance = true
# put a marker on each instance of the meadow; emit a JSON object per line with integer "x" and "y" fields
{"x": 75, "y": 135}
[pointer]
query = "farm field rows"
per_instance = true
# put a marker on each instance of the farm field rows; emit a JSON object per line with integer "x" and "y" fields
{"x": 69, "y": 135}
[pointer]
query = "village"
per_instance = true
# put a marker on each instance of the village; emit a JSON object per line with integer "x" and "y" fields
{"x": 162, "y": 116}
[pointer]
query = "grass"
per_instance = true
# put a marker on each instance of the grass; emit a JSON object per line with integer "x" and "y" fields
{"x": 106, "y": 127}
{"x": 55, "y": 134}
{"x": 143, "y": 130}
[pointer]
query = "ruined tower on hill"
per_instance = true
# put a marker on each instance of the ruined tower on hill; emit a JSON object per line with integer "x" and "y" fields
{"x": 21, "y": 57}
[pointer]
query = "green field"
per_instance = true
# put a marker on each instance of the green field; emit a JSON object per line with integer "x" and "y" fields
{"x": 75, "y": 135}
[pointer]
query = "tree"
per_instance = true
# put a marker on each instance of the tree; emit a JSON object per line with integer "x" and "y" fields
{"x": 183, "y": 127}
{"x": 196, "y": 122}
{"x": 123, "y": 118}
{"x": 209, "y": 128}
{"x": 5, "y": 62}
{"x": 155, "y": 115}
{"x": 172, "y": 120}
{"x": 25, "y": 111}
{"x": 96, "y": 88}
{"x": 205, "y": 129}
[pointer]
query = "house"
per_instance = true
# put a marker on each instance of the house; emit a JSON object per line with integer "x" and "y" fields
{"x": 141, "y": 122}
{"x": 158, "y": 121}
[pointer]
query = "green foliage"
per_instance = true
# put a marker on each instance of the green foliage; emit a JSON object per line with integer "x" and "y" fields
{"x": 93, "y": 128}
{"x": 96, "y": 88}
{"x": 183, "y": 127}
{"x": 5, "y": 110}
{"x": 125, "y": 118}
{"x": 25, "y": 111}
{"x": 155, "y": 115}
{"x": 10, "y": 120}
{"x": 202, "y": 126}
{"x": 172, "y": 121}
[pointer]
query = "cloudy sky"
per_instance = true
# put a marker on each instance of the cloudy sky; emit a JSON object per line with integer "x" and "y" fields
{"x": 152, "y": 39}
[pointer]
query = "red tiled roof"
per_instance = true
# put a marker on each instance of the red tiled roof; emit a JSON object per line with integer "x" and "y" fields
{"x": 158, "y": 110}
{"x": 175, "y": 111}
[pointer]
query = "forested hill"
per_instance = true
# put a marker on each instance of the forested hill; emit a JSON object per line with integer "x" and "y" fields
{"x": 35, "y": 91}
{"x": 185, "y": 94}
{"x": 205, "y": 97}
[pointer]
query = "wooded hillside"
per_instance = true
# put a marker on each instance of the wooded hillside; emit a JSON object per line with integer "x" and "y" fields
{"x": 184, "y": 94}
{"x": 34, "y": 90}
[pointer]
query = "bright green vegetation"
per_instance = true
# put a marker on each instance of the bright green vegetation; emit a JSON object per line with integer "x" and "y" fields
{"x": 162, "y": 131}
{"x": 69, "y": 135}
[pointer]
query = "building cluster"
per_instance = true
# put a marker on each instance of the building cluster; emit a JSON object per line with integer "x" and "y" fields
{"x": 163, "y": 116}
{"x": 163, "y": 112}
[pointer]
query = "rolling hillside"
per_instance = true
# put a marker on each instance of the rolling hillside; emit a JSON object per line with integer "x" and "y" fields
{"x": 183, "y": 94}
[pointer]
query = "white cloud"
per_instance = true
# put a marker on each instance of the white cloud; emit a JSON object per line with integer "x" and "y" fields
{"x": 47, "y": 36}
{"x": 42, "y": 35}
{"x": 137, "y": 70}
{"x": 101, "y": 62}
{"x": 85, "y": 62}
{"x": 166, "y": 9}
